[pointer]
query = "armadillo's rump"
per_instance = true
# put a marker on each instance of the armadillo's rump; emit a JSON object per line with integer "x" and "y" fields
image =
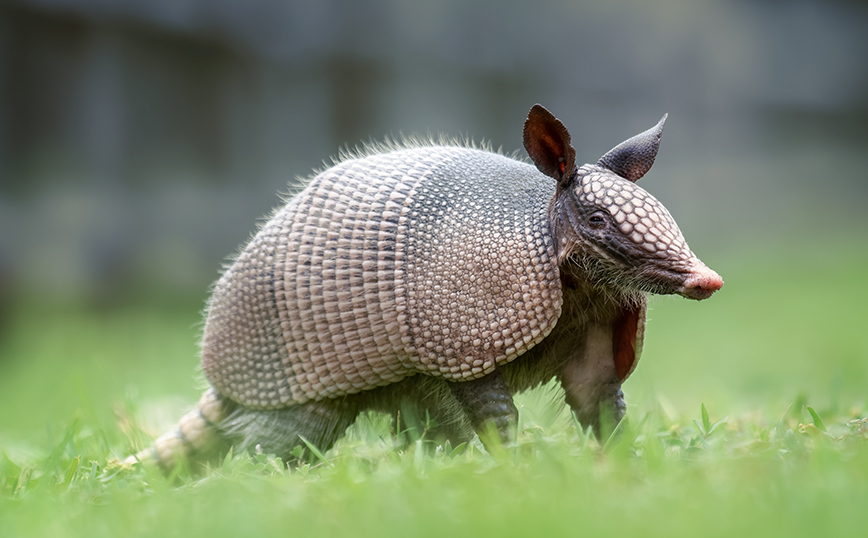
{"x": 436, "y": 260}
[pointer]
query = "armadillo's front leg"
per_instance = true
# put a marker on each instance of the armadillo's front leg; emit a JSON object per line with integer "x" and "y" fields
{"x": 590, "y": 382}
{"x": 488, "y": 403}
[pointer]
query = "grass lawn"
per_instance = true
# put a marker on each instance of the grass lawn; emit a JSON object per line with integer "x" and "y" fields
{"x": 82, "y": 386}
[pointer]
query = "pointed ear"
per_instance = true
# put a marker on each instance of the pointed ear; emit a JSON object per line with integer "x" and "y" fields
{"x": 547, "y": 142}
{"x": 632, "y": 158}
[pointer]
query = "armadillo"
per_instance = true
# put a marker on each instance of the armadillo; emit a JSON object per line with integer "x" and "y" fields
{"x": 438, "y": 279}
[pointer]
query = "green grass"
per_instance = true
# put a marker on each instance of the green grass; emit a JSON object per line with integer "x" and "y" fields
{"x": 746, "y": 417}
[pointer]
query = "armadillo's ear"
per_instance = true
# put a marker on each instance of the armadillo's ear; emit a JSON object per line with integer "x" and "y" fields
{"x": 632, "y": 158}
{"x": 547, "y": 142}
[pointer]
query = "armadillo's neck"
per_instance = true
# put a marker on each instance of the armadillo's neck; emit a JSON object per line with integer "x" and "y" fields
{"x": 590, "y": 287}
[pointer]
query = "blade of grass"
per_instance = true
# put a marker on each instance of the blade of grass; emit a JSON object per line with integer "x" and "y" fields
{"x": 818, "y": 422}
{"x": 314, "y": 450}
{"x": 614, "y": 432}
{"x": 70, "y": 473}
{"x": 706, "y": 423}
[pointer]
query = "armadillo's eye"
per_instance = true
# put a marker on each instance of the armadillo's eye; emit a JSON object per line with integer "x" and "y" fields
{"x": 597, "y": 220}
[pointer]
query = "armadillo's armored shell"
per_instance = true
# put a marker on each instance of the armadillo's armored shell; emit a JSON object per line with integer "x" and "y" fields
{"x": 436, "y": 260}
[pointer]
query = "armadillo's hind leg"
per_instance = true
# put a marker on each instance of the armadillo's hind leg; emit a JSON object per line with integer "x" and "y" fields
{"x": 280, "y": 431}
{"x": 424, "y": 407}
{"x": 489, "y": 406}
{"x": 197, "y": 436}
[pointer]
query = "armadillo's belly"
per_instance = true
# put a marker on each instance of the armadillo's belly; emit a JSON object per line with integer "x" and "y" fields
{"x": 383, "y": 267}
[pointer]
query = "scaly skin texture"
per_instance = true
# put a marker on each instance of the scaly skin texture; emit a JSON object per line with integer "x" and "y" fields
{"x": 357, "y": 283}
{"x": 437, "y": 281}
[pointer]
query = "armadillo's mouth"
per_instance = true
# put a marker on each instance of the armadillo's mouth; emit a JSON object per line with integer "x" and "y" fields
{"x": 695, "y": 293}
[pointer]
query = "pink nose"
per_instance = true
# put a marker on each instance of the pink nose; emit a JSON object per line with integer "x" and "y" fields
{"x": 701, "y": 283}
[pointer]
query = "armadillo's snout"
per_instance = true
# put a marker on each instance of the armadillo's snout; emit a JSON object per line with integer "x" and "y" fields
{"x": 700, "y": 284}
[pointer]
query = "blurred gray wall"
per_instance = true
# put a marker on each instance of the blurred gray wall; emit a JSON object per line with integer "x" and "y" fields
{"x": 140, "y": 141}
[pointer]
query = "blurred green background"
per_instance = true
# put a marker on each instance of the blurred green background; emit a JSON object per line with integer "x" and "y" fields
{"x": 141, "y": 142}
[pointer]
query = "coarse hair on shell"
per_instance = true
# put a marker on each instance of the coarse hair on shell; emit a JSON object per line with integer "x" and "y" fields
{"x": 391, "y": 144}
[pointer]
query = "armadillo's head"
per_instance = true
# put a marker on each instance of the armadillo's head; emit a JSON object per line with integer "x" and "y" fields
{"x": 629, "y": 238}
{"x": 618, "y": 233}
